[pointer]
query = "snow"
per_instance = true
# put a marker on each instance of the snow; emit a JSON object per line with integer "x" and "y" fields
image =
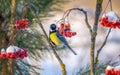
{"x": 109, "y": 68}
{"x": 111, "y": 16}
{"x": 3, "y": 51}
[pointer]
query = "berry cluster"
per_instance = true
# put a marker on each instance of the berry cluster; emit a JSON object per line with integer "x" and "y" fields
{"x": 22, "y": 23}
{"x": 110, "y": 20}
{"x": 65, "y": 30}
{"x": 13, "y": 52}
{"x": 110, "y": 70}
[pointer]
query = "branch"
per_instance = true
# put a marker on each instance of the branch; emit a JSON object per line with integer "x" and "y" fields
{"x": 99, "y": 50}
{"x": 66, "y": 14}
{"x": 94, "y": 34}
{"x": 55, "y": 53}
{"x": 86, "y": 20}
{"x": 103, "y": 44}
{"x": 11, "y": 39}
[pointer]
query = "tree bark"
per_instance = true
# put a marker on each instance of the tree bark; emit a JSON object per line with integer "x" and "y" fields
{"x": 13, "y": 9}
{"x": 11, "y": 39}
{"x": 94, "y": 34}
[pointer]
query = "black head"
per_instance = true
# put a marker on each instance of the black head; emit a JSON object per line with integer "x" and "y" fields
{"x": 53, "y": 27}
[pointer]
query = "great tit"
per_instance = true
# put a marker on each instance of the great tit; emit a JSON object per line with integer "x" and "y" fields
{"x": 57, "y": 39}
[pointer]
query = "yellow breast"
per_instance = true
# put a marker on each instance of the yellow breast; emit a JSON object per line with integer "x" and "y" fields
{"x": 55, "y": 39}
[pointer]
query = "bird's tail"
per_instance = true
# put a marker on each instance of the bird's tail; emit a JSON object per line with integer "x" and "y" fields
{"x": 71, "y": 49}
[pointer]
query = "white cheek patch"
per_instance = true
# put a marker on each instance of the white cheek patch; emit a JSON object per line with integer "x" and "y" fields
{"x": 56, "y": 28}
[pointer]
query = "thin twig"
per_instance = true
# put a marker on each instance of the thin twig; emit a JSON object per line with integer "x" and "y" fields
{"x": 105, "y": 7}
{"x": 110, "y": 5}
{"x": 55, "y": 53}
{"x": 66, "y": 14}
{"x": 86, "y": 19}
{"x": 50, "y": 43}
{"x": 103, "y": 44}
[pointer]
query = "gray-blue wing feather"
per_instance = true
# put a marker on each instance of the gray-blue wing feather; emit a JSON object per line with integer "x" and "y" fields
{"x": 62, "y": 38}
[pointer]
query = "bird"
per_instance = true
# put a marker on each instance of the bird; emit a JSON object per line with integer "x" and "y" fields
{"x": 57, "y": 39}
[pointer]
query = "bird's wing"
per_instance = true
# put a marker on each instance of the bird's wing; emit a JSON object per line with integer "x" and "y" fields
{"x": 62, "y": 38}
